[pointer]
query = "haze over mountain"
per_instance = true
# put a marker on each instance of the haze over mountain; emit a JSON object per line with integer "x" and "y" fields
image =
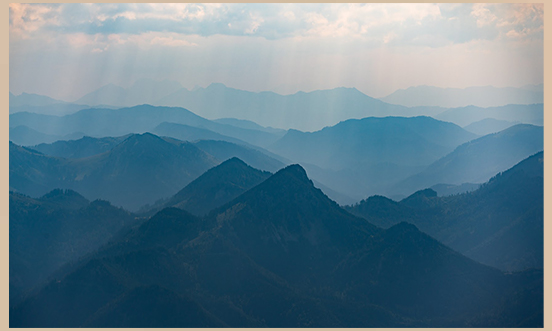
{"x": 140, "y": 92}
{"x": 500, "y": 224}
{"x": 488, "y": 125}
{"x": 31, "y": 99}
{"x": 139, "y": 119}
{"x": 23, "y": 135}
{"x": 59, "y": 227}
{"x": 478, "y": 160}
{"x": 362, "y": 157}
{"x": 139, "y": 170}
{"x": 283, "y": 242}
{"x": 480, "y": 96}
{"x": 40, "y": 104}
{"x": 529, "y": 114}
{"x": 401, "y": 140}
{"x": 303, "y": 111}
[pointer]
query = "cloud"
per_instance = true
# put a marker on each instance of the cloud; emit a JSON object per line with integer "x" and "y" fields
{"x": 370, "y": 22}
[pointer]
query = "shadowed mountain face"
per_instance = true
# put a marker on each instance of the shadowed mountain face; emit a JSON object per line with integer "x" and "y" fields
{"x": 59, "y": 227}
{"x": 280, "y": 255}
{"x": 479, "y": 159}
{"x": 500, "y": 224}
{"x": 76, "y": 149}
{"x": 216, "y": 187}
{"x": 139, "y": 170}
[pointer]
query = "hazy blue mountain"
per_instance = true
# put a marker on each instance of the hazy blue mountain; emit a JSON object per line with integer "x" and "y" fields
{"x": 31, "y": 99}
{"x": 480, "y": 96}
{"x": 23, "y": 135}
{"x": 220, "y": 149}
{"x": 360, "y": 181}
{"x": 139, "y": 170}
{"x": 216, "y": 187}
{"x": 79, "y": 148}
{"x": 102, "y": 122}
{"x": 530, "y": 114}
{"x": 40, "y": 104}
{"x": 55, "y": 109}
{"x": 411, "y": 141}
{"x": 141, "y": 92}
{"x": 478, "y": 160}
{"x": 259, "y": 159}
{"x": 283, "y": 255}
{"x": 500, "y": 224}
{"x": 191, "y": 133}
{"x": 364, "y": 157}
{"x": 302, "y": 111}
{"x": 59, "y": 227}
{"x": 488, "y": 125}
{"x": 245, "y": 124}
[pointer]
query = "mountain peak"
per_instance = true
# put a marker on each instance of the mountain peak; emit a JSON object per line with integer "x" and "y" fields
{"x": 216, "y": 86}
{"x": 233, "y": 161}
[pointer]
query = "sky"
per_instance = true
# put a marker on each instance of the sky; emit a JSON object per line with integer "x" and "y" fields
{"x": 67, "y": 50}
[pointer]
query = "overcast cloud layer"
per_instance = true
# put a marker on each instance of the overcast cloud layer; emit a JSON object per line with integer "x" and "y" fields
{"x": 67, "y": 50}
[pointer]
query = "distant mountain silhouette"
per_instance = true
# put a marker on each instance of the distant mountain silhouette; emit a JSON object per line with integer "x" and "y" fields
{"x": 102, "y": 122}
{"x": 400, "y": 140}
{"x": 282, "y": 255}
{"x": 480, "y": 96}
{"x": 478, "y": 160}
{"x": 141, "y": 92}
{"x": 365, "y": 157}
{"x": 23, "y": 135}
{"x": 221, "y": 149}
{"x": 499, "y": 224}
{"x": 463, "y": 116}
{"x": 40, "y": 104}
{"x": 191, "y": 133}
{"x": 303, "y": 111}
{"x": 139, "y": 170}
{"x": 31, "y": 99}
{"x": 47, "y": 232}
{"x": 245, "y": 124}
{"x": 257, "y": 158}
{"x": 216, "y": 187}
{"x": 487, "y": 126}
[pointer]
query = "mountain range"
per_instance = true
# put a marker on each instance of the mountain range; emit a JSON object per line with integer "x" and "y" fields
{"x": 488, "y": 125}
{"x": 480, "y": 96}
{"x": 103, "y": 122}
{"x": 142, "y": 91}
{"x": 280, "y": 255}
{"x": 500, "y": 224}
{"x": 478, "y": 160}
{"x": 463, "y": 116}
{"x": 139, "y": 170}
